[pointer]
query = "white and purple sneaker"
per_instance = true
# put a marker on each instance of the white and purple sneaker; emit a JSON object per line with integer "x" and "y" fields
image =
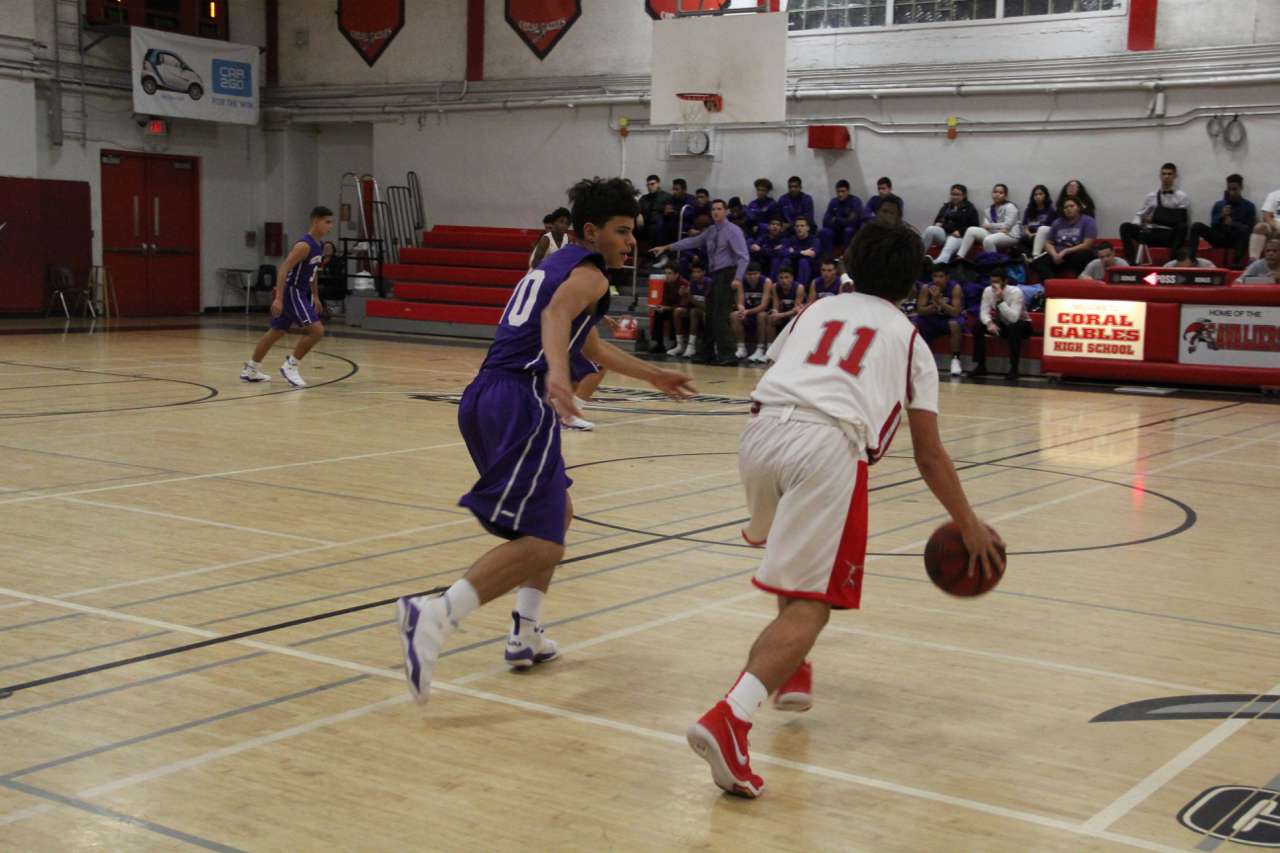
{"x": 424, "y": 626}
{"x": 527, "y": 644}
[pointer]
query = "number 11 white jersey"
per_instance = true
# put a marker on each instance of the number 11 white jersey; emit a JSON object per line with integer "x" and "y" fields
{"x": 855, "y": 358}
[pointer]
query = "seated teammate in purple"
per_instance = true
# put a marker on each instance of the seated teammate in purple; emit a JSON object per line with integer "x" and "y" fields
{"x": 752, "y": 298}
{"x": 509, "y": 419}
{"x": 827, "y": 283}
{"x": 796, "y": 203}
{"x": 296, "y": 303}
{"x": 801, "y": 249}
{"x": 761, "y": 211}
{"x": 769, "y": 248}
{"x": 787, "y": 298}
{"x": 843, "y": 217}
{"x": 940, "y": 311}
{"x": 884, "y": 190}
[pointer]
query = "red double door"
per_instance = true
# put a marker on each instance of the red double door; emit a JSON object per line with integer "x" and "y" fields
{"x": 151, "y": 231}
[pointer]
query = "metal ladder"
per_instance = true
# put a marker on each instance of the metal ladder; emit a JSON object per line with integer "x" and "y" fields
{"x": 68, "y": 121}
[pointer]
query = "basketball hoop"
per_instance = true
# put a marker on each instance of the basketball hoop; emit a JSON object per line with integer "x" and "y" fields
{"x": 695, "y": 112}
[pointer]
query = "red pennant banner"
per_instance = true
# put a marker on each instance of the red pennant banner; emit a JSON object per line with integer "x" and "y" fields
{"x": 664, "y": 9}
{"x": 370, "y": 25}
{"x": 541, "y": 23}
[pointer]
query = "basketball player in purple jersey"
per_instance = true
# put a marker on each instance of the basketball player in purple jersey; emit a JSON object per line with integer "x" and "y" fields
{"x": 510, "y": 419}
{"x": 297, "y": 302}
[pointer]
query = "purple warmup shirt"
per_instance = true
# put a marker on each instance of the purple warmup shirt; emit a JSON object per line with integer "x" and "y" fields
{"x": 517, "y": 344}
{"x": 1064, "y": 235}
{"x": 795, "y": 207}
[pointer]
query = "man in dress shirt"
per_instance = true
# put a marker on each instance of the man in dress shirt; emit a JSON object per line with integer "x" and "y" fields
{"x": 1158, "y": 228}
{"x": 727, "y": 257}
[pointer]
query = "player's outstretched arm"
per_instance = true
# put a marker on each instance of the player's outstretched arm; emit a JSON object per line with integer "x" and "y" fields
{"x": 673, "y": 383}
{"x": 940, "y": 476}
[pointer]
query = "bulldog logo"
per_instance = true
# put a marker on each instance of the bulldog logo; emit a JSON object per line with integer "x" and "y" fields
{"x": 1202, "y": 331}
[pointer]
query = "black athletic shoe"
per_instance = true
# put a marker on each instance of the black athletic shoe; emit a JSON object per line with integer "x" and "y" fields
{"x": 727, "y": 362}
{"x": 657, "y": 348}
{"x": 978, "y": 371}
{"x": 1012, "y": 376}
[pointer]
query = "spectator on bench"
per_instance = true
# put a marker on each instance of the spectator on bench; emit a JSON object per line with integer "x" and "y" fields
{"x": 1003, "y": 315}
{"x": 786, "y": 298}
{"x": 1265, "y": 270}
{"x": 1036, "y": 220}
{"x": 677, "y": 216}
{"x": 1070, "y": 243}
{"x": 1184, "y": 258}
{"x": 795, "y": 204}
{"x": 701, "y": 207}
{"x": 762, "y": 210}
{"x": 737, "y": 215}
{"x": 652, "y": 204}
{"x": 1230, "y": 224}
{"x": 802, "y": 248}
{"x": 770, "y": 247}
{"x": 1000, "y": 230}
{"x": 752, "y": 304}
{"x": 940, "y": 311}
{"x": 664, "y": 313}
{"x": 889, "y": 209}
{"x": 556, "y": 238}
{"x": 1097, "y": 268}
{"x": 843, "y": 217}
{"x": 1075, "y": 189}
{"x": 1267, "y": 228}
{"x": 691, "y": 316}
{"x": 827, "y": 283}
{"x": 1162, "y": 219}
{"x": 884, "y": 189}
{"x": 954, "y": 218}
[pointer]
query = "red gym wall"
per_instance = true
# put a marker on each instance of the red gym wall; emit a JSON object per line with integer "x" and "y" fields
{"x": 48, "y": 223}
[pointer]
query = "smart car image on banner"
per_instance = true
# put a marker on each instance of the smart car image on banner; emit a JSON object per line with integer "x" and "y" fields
{"x": 164, "y": 70}
{"x": 194, "y": 78}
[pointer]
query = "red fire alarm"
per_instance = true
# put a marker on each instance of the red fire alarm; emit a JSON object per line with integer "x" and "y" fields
{"x": 157, "y": 127}
{"x": 828, "y": 136}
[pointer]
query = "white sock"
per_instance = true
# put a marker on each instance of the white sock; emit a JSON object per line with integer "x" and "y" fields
{"x": 746, "y": 697}
{"x": 529, "y": 603}
{"x": 255, "y": 364}
{"x": 291, "y": 360}
{"x": 682, "y": 341}
{"x": 581, "y": 402}
{"x": 1256, "y": 244}
{"x": 759, "y": 348}
{"x": 459, "y": 600}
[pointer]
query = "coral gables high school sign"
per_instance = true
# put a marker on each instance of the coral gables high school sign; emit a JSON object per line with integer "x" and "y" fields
{"x": 370, "y": 25}
{"x": 542, "y": 23}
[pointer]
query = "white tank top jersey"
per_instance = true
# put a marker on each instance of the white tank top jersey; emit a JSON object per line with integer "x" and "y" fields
{"x": 552, "y": 247}
{"x": 854, "y": 358}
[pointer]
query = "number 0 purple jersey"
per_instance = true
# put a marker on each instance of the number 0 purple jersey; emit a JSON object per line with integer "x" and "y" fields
{"x": 301, "y": 275}
{"x": 517, "y": 344}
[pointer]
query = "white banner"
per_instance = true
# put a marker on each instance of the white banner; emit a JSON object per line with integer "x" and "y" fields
{"x": 194, "y": 78}
{"x": 1230, "y": 335}
{"x": 1094, "y": 328}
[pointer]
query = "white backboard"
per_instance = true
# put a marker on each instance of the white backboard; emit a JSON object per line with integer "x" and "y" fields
{"x": 743, "y": 58}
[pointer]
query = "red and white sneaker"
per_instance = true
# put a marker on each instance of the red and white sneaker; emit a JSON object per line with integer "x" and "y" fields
{"x": 721, "y": 739}
{"x": 796, "y": 693}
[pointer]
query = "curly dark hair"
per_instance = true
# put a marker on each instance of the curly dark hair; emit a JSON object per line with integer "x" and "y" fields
{"x": 597, "y": 200}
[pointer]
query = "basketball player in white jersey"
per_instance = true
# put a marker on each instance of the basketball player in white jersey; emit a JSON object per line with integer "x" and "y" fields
{"x": 843, "y": 373}
{"x": 555, "y": 239}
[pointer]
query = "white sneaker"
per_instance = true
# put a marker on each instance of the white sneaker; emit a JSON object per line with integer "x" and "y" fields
{"x": 742, "y": 351}
{"x": 290, "y": 373}
{"x": 424, "y": 625}
{"x": 527, "y": 644}
{"x": 759, "y": 356}
{"x": 676, "y": 350}
{"x": 575, "y": 422}
{"x": 691, "y": 350}
{"x": 956, "y": 370}
{"x": 253, "y": 374}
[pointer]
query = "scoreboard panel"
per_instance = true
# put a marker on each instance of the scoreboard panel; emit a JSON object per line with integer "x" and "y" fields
{"x": 203, "y": 18}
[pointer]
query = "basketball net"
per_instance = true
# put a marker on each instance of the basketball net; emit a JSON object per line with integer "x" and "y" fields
{"x": 696, "y": 109}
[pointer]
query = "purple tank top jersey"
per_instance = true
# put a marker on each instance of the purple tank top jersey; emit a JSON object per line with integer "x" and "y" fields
{"x": 517, "y": 344}
{"x": 301, "y": 275}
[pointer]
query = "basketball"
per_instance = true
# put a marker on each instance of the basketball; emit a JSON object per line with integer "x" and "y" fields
{"x": 947, "y": 562}
{"x": 702, "y": 222}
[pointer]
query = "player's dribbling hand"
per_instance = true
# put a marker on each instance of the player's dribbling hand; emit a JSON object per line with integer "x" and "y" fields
{"x": 982, "y": 542}
{"x": 674, "y": 384}
{"x": 276, "y": 307}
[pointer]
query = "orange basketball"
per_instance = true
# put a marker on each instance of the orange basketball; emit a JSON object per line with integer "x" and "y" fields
{"x": 947, "y": 562}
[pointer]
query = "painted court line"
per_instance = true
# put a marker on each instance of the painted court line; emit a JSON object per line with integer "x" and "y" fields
{"x": 985, "y": 654}
{"x": 192, "y": 519}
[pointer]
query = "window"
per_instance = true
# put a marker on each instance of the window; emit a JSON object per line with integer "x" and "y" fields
{"x": 825, "y": 14}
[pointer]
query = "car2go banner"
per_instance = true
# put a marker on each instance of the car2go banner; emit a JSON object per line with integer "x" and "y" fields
{"x": 1094, "y": 328}
{"x": 191, "y": 77}
{"x": 1230, "y": 335}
